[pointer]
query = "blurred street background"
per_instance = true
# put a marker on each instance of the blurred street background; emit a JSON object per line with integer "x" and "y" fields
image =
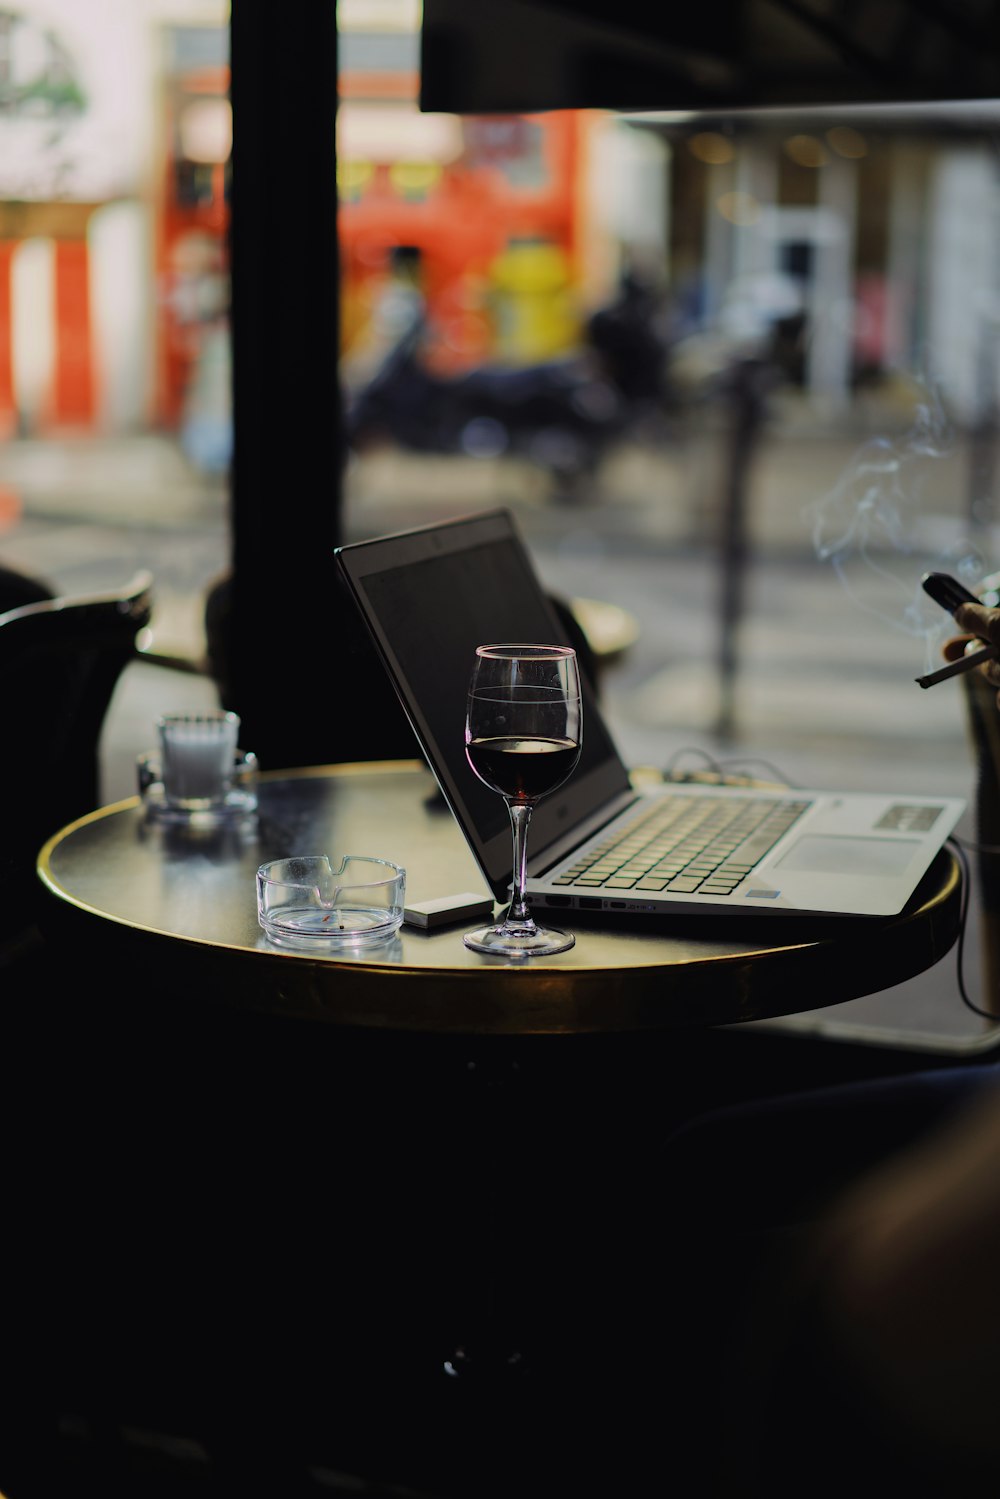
{"x": 824, "y": 658}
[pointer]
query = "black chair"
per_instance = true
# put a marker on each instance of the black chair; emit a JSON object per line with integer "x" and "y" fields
{"x": 60, "y": 661}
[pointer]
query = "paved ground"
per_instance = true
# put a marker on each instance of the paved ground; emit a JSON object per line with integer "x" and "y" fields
{"x": 827, "y": 655}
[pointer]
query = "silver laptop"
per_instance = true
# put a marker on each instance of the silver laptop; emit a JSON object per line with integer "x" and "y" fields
{"x": 431, "y": 595}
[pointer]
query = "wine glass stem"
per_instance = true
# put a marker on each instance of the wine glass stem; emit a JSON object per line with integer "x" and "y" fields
{"x": 520, "y": 816}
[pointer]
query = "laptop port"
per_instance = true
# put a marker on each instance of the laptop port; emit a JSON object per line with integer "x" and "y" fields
{"x": 589, "y": 903}
{"x": 558, "y": 900}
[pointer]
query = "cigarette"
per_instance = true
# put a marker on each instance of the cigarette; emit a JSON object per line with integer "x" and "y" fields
{"x": 956, "y": 668}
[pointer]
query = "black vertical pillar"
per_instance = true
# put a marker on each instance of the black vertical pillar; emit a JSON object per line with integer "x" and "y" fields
{"x": 288, "y": 449}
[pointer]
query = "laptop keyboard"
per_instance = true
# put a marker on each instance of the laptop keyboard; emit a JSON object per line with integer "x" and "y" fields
{"x": 685, "y": 844}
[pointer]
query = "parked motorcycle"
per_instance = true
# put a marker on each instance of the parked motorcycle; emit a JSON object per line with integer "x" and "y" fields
{"x": 563, "y": 415}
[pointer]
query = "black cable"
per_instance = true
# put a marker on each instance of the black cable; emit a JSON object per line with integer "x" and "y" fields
{"x": 956, "y": 844}
{"x": 719, "y": 767}
{"x": 709, "y": 761}
{"x": 767, "y": 765}
{"x": 977, "y": 848}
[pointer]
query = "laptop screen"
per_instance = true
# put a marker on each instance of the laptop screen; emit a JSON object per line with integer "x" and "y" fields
{"x": 430, "y": 597}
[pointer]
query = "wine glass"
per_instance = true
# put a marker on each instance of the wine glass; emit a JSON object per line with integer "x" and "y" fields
{"x": 523, "y": 733}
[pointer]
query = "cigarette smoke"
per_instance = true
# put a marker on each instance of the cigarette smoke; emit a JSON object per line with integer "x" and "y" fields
{"x": 881, "y": 528}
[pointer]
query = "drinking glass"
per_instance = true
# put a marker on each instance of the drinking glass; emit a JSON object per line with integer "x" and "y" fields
{"x": 523, "y": 733}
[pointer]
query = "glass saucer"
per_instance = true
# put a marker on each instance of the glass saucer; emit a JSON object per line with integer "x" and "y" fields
{"x": 237, "y": 803}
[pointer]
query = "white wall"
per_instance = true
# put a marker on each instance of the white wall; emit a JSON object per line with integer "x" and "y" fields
{"x": 963, "y": 289}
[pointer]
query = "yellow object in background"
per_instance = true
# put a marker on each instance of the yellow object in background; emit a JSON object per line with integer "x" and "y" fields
{"x": 534, "y": 306}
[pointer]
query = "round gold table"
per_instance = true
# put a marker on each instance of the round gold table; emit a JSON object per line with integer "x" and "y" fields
{"x": 181, "y": 902}
{"x": 410, "y": 1179}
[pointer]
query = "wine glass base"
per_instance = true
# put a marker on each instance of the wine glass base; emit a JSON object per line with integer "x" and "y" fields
{"x": 515, "y": 941}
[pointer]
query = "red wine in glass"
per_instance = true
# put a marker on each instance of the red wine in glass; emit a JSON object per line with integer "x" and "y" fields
{"x": 522, "y": 769}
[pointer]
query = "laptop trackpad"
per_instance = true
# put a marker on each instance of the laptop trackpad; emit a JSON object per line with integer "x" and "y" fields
{"x": 855, "y": 856}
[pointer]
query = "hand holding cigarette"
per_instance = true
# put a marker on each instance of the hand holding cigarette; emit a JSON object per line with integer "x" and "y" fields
{"x": 959, "y": 666}
{"x": 981, "y": 648}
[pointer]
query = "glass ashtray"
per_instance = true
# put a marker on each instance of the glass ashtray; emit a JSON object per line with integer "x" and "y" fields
{"x": 308, "y": 904}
